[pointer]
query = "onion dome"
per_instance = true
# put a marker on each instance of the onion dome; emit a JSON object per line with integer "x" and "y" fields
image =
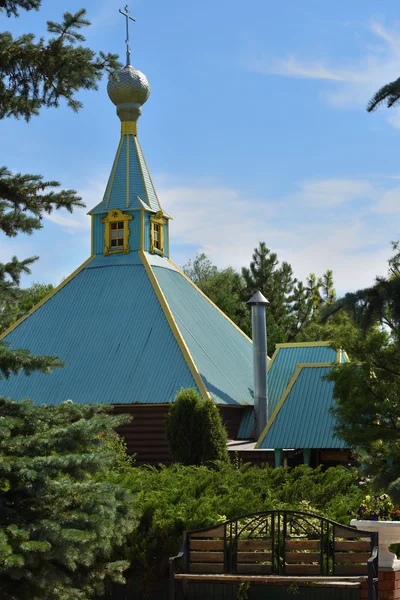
{"x": 128, "y": 89}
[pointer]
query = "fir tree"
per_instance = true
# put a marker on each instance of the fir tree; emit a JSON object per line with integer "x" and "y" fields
{"x": 35, "y": 74}
{"x": 60, "y": 525}
{"x": 195, "y": 432}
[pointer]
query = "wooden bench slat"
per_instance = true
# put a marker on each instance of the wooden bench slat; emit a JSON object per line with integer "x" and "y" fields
{"x": 217, "y": 532}
{"x": 302, "y": 569}
{"x": 328, "y": 579}
{"x": 206, "y": 568}
{"x": 254, "y": 544}
{"x": 353, "y": 545}
{"x": 207, "y": 557}
{"x": 303, "y": 544}
{"x": 206, "y": 544}
{"x": 344, "y": 533}
{"x": 351, "y": 569}
{"x": 256, "y": 569}
{"x": 253, "y": 556}
{"x": 302, "y": 557}
{"x": 346, "y": 557}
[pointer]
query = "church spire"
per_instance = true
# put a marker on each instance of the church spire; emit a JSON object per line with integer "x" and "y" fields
{"x": 130, "y": 198}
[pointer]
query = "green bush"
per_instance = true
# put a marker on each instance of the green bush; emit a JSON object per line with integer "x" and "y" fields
{"x": 195, "y": 432}
{"x": 171, "y": 499}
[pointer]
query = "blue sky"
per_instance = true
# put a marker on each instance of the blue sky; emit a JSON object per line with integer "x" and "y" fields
{"x": 256, "y": 130}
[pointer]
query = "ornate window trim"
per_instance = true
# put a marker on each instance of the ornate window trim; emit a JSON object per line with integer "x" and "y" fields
{"x": 114, "y": 216}
{"x": 157, "y": 220}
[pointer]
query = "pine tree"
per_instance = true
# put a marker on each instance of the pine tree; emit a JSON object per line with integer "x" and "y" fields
{"x": 195, "y": 432}
{"x": 36, "y": 74}
{"x": 60, "y": 525}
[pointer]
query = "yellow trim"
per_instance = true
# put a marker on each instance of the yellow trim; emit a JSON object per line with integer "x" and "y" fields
{"x": 210, "y": 301}
{"x": 285, "y": 394}
{"x": 273, "y": 358}
{"x": 57, "y": 289}
{"x": 303, "y": 344}
{"x": 142, "y": 229}
{"x": 174, "y": 327}
{"x": 92, "y": 234}
{"x": 128, "y": 128}
{"x": 346, "y": 356}
{"x": 169, "y": 404}
{"x": 157, "y": 219}
{"x": 278, "y": 406}
{"x": 114, "y": 168}
{"x": 115, "y": 215}
{"x": 127, "y": 171}
{"x": 316, "y": 365}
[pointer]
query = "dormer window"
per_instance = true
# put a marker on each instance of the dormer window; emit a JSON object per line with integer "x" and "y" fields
{"x": 157, "y": 224}
{"x": 116, "y": 232}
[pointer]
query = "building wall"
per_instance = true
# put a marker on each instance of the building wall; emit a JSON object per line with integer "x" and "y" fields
{"x": 145, "y": 434}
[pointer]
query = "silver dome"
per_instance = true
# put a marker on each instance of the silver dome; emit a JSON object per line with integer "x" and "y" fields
{"x": 128, "y": 90}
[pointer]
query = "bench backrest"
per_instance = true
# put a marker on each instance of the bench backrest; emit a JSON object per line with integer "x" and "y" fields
{"x": 282, "y": 543}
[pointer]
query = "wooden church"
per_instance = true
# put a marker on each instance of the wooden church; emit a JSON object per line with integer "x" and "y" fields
{"x": 133, "y": 330}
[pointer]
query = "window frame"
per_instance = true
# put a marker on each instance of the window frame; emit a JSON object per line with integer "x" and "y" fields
{"x": 116, "y": 216}
{"x": 161, "y": 222}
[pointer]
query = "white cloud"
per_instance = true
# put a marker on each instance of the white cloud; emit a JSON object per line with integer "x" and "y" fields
{"x": 351, "y": 85}
{"x": 78, "y": 221}
{"x": 312, "y": 228}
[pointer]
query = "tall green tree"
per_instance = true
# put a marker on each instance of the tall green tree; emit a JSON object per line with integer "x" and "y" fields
{"x": 36, "y": 74}
{"x": 367, "y": 392}
{"x": 16, "y": 308}
{"x": 62, "y": 526}
{"x": 195, "y": 432}
{"x": 293, "y": 307}
{"x": 223, "y": 286}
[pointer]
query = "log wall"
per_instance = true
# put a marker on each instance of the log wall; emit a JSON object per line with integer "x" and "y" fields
{"x": 145, "y": 434}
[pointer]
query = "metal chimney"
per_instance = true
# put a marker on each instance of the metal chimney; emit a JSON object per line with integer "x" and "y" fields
{"x": 259, "y": 327}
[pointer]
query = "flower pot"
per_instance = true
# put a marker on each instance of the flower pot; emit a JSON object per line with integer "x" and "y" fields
{"x": 389, "y": 533}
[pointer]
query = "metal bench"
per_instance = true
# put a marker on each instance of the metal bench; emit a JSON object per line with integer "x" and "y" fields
{"x": 280, "y": 548}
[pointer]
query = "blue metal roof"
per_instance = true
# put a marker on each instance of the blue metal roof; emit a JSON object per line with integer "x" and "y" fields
{"x": 107, "y": 325}
{"x": 246, "y": 428}
{"x": 130, "y": 173}
{"x": 283, "y": 365}
{"x": 304, "y": 419}
{"x": 222, "y": 353}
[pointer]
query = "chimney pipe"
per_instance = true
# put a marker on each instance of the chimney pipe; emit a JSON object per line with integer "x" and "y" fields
{"x": 259, "y": 328}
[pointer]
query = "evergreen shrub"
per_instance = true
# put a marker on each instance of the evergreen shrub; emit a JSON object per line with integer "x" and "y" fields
{"x": 195, "y": 432}
{"x": 169, "y": 500}
{"x": 62, "y": 523}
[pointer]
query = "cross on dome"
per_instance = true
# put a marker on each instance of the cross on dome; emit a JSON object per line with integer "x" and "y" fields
{"x": 126, "y": 14}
